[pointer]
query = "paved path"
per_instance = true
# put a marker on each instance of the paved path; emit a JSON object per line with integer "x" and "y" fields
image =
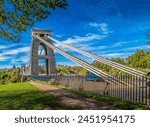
{"x": 67, "y": 100}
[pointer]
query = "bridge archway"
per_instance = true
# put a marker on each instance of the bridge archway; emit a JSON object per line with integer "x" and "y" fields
{"x": 40, "y": 51}
{"x": 43, "y": 66}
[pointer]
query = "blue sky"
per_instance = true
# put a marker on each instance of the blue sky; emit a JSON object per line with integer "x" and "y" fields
{"x": 108, "y": 28}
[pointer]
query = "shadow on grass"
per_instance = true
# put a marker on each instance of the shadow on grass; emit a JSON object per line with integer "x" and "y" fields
{"x": 32, "y": 100}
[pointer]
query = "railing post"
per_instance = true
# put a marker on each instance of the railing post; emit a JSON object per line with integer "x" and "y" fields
{"x": 142, "y": 89}
{"x": 128, "y": 86}
{"x": 145, "y": 79}
{"x": 113, "y": 87}
{"x": 123, "y": 87}
{"x": 139, "y": 90}
{"x": 120, "y": 78}
{"x": 133, "y": 95}
{"x": 136, "y": 98}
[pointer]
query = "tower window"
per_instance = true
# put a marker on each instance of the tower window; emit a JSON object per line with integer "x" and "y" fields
{"x": 41, "y": 35}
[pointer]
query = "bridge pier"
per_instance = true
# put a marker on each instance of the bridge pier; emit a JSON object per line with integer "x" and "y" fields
{"x": 41, "y": 51}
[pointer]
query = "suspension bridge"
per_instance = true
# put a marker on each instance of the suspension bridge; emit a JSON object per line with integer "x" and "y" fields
{"x": 134, "y": 87}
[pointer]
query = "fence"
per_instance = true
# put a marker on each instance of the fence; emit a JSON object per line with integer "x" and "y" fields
{"x": 128, "y": 87}
{"x": 132, "y": 88}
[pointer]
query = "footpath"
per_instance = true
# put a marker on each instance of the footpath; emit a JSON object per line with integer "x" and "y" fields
{"x": 69, "y": 101}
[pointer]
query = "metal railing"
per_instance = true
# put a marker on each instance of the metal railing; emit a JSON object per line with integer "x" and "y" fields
{"x": 137, "y": 88}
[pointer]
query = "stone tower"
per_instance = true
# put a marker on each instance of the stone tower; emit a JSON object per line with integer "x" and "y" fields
{"x": 41, "y": 51}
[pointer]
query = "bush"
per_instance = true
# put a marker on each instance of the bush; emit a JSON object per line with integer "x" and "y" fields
{"x": 9, "y": 76}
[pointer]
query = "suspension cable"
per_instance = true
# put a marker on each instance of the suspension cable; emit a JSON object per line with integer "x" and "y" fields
{"x": 108, "y": 78}
{"x": 103, "y": 60}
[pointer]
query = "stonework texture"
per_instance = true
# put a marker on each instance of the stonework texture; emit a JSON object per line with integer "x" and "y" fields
{"x": 34, "y": 57}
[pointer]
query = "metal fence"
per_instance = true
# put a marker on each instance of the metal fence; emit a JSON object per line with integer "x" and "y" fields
{"x": 127, "y": 87}
{"x": 132, "y": 88}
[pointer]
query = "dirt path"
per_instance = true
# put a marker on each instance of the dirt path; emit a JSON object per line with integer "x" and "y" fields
{"x": 67, "y": 100}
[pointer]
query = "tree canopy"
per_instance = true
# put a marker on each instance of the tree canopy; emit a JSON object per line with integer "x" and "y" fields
{"x": 17, "y": 15}
{"x": 139, "y": 60}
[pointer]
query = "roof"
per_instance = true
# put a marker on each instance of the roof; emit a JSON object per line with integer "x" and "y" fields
{"x": 40, "y": 31}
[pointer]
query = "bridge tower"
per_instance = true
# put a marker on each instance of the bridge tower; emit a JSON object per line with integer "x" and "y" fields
{"x": 41, "y": 51}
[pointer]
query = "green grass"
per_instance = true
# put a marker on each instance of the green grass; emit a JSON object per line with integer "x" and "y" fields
{"x": 124, "y": 104}
{"x": 23, "y": 96}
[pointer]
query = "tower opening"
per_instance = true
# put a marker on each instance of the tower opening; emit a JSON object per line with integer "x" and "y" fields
{"x": 43, "y": 67}
{"x": 42, "y": 50}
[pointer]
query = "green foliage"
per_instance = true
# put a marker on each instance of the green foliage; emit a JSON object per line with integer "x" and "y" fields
{"x": 23, "y": 96}
{"x": 17, "y": 15}
{"x": 42, "y": 69}
{"x": 109, "y": 69}
{"x": 9, "y": 75}
{"x": 83, "y": 72}
{"x": 139, "y": 60}
{"x": 71, "y": 70}
{"x": 62, "y": 69}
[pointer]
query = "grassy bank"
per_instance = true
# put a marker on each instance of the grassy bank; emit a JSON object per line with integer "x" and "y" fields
{"x": 23, "y": 96}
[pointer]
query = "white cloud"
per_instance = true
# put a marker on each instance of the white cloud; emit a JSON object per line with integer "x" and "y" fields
{"x": 90, "y": 48}
{"x": 3, "y": 47}
{"x": 136, "y": 48}
{"x": 147, "y": 47}
{"x": 4, "y": 58}
{"x": 112, "y": 55}
{"x": 117, "y": 44}
{"x": 22, "y": 60}
{"x": 130, "y": 49}
{"x": 86, "y": 38}
{"x": 26, "y": 58}
{"x": 103, "y": 27}
{"x": 57, "y": 35}
{"x": 10, "y": 55}
{"x": 16, "y": 51}
{"x": 77, "y": 41}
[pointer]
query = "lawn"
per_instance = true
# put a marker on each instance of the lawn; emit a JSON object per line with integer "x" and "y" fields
{"x": 23, "y": 96}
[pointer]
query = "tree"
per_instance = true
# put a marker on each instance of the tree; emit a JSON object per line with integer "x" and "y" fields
{"x": 9, "y": 75}
{"x": 110, "y": 69}
{"x": 140, "y": 60}
{"x": 17, "y": 15}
